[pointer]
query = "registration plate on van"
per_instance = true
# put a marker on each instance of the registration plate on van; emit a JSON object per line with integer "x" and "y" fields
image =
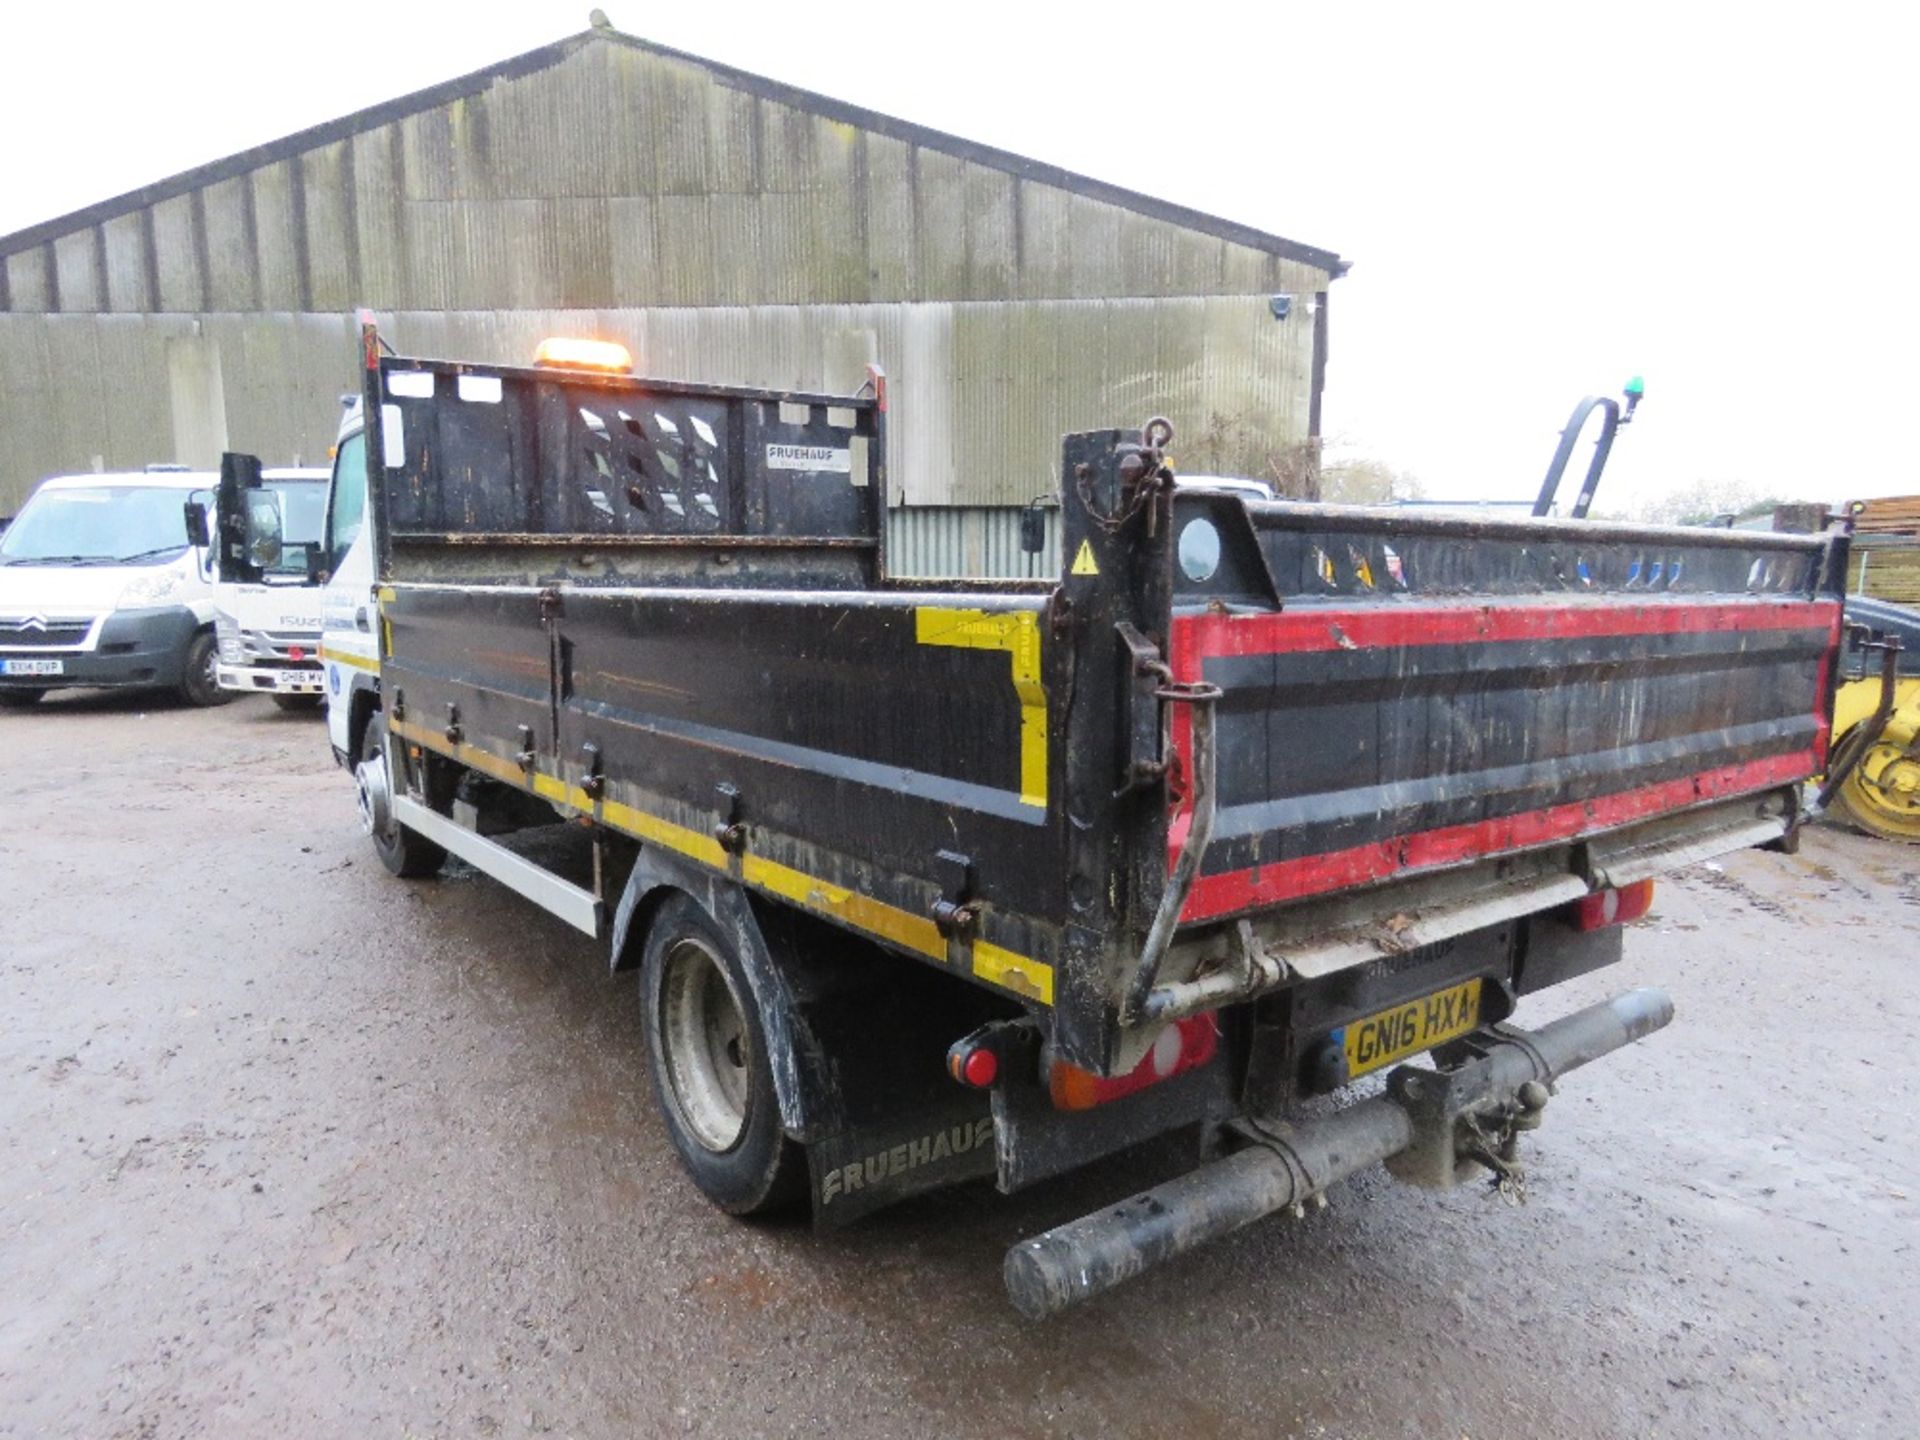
{"x": 33, "y": 667}
{"x": 1408, "y": 1029}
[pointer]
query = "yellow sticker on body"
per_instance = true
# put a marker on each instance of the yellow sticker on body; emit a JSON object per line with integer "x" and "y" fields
{"x": 1083, "y": 560}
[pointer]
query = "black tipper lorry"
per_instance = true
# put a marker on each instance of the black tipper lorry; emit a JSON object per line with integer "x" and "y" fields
{"x": 930, "y": 881}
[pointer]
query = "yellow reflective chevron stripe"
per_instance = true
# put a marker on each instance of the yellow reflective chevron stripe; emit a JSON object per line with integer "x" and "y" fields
{"x": 1018, "y": 633}
{"x": 356, "y": 662}
{"x": 1011, "y": 971}
{"x": 1006, "y": 969}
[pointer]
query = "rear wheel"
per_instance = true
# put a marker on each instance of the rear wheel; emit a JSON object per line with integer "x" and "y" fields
{"x": 199, "y": 672}
{"x": 401, "y": 850}
{"x": 707, "y": 1049}
{"x": 299, "y": 704}
{"x": 1882, "y": 795}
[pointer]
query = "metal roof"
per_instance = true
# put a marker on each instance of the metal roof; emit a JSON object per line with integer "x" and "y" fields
{"x": 805, "y": 100}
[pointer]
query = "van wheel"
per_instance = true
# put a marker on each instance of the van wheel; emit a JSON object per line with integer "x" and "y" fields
{"x": 299, "y": 704}
{"x": 707, "y": 1050}
{"x": 402, "y": 851}
{"x": 199, "y": 675}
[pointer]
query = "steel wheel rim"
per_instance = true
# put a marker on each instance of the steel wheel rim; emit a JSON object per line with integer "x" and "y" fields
{"x": 1884, "y": 792}
{"x": 370, "y": 795}
{"x": 705, "y": 1045}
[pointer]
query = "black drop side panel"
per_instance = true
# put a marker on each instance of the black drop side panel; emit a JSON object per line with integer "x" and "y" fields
{"x": 829, "y": 722}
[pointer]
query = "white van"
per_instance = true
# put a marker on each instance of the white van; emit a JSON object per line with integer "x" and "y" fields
{"x": 101, "y": 588}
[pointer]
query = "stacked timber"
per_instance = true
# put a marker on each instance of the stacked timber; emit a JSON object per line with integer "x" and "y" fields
{"x": 1890, "y": 515}
{"x": 1886, "y": 550}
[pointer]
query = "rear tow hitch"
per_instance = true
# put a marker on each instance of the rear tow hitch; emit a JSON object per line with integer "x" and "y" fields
{"x": 1434, "y": 1128}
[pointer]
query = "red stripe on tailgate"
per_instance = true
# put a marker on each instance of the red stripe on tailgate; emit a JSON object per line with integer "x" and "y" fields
{"x": 1383, "y": 626}
{"x": 1215, "y": 895}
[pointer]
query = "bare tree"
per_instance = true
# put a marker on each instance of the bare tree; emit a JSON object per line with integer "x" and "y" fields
{"x": 1363, "y": 480}
{"x": 1233, "y": 445}
{"x": 1700, "y": 503}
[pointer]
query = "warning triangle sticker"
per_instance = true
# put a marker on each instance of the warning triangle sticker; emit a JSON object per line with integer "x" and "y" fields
{"x": 1083, "y": 562}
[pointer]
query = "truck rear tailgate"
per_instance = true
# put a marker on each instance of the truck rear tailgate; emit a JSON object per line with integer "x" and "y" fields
{"x": 1417, "y": 692}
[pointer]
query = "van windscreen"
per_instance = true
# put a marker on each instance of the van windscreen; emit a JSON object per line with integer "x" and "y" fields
{"x": 97, "y": 525}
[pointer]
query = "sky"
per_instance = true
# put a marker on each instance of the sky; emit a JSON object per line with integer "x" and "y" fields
{"x": 1539, "y": 200}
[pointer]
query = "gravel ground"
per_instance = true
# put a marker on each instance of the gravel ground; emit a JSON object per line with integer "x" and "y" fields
{"x": 290, "y": 1147}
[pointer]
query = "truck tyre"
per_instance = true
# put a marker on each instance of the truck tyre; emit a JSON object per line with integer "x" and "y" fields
{"x": 199, "y": 675}
{"x": 299, "y": 704}
{"x": 403, "y": 852}
{"x": 707, "y": 1050}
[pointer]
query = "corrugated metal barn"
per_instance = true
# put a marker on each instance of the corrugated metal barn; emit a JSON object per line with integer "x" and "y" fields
{"x": 726, "y": 227}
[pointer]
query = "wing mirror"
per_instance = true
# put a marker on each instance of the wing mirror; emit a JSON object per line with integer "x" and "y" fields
{"x": 1033, "y": 528}
{"x": 197, "y": 532}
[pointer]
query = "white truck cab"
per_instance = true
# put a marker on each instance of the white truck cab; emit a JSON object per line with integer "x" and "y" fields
{"x": 349, "y": 613}
{"x": 268, "y": 602}
{"x": 102, "y": 587}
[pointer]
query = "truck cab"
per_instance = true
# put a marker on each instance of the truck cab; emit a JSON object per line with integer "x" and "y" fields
{"x": 102, "y": 586}
{"x": 267, "y": 599}
{"x": 343, "y": 565}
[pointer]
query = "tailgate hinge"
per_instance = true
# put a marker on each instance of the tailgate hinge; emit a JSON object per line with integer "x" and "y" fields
{"x": 1147, "y": 672}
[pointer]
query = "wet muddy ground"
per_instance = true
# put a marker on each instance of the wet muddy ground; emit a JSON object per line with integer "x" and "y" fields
{"x": 291, "y": 1148}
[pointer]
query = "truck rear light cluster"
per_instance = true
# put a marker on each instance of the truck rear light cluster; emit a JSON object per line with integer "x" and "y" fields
{"x": 1183, "y": 1045}
{"x": 1611, "y": 907}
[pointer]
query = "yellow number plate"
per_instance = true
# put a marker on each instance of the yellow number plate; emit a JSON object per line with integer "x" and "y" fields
{"x": 1408, "y": 1029}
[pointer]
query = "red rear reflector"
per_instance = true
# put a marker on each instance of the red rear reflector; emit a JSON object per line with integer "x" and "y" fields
{"x": 1612, "y": 907}
{"x": 1183, "y": 1045}
{"x": 975, "y": 1065}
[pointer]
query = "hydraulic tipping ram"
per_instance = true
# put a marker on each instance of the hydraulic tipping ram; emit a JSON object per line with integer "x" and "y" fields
{"x": 1425, "y": 1125}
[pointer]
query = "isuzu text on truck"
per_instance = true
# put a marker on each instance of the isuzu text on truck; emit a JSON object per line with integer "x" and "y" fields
{"x": 923, "y": 881}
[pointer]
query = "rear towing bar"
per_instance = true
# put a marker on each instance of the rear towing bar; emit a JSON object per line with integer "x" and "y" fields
{"x": 1431, "y": 1127}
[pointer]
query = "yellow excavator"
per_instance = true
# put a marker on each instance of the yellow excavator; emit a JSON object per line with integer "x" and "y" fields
{"x": 1882, "y": 793}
